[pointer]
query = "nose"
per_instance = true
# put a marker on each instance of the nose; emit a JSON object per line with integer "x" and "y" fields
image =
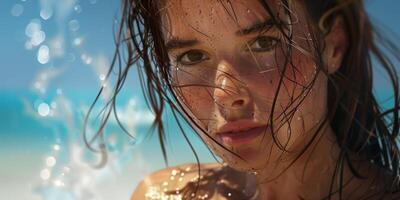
{"x": 231, "y": 95}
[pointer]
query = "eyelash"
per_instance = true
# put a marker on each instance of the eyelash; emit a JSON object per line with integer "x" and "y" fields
{"x": 274, "y": 40}
{"x": 180, "y": 57}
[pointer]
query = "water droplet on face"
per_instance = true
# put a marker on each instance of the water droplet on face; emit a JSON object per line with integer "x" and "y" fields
{"x": 299, "y": 118}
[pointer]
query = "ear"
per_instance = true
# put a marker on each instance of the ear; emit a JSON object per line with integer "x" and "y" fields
{"x": 336, "y": 44}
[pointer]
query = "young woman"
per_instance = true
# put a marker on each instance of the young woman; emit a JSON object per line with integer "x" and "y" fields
{"x": 280, "y": 90}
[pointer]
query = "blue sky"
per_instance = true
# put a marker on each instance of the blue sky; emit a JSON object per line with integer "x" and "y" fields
{"x": 29, "y": 140}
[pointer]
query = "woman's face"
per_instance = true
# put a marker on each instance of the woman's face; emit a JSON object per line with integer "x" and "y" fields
{"x": 228, "y": 59}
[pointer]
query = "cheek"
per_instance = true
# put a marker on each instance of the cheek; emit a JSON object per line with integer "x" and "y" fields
{"x": 194, "y": 88}
{"x": 280, "y": 79}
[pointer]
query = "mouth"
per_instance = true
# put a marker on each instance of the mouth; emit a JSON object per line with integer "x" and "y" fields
{"x": 240, "y": 132}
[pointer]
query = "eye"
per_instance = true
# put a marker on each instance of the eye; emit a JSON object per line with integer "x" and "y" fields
{"x": 263, "y": 44}
{"x": 192, "y": 57}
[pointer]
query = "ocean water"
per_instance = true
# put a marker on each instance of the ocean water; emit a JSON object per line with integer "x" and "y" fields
{"x": 54, "y": 57}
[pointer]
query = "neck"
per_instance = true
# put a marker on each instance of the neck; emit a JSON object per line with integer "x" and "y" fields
{"x": 310, "y": 176}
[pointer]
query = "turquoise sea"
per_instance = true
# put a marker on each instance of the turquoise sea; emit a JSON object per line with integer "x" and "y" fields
{"x": 54, "y": 55}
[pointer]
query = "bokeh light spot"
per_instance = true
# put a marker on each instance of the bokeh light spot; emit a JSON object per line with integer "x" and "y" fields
{"x": 43, "y": 56}
{"x": 46, "y": 13}
{"x": 78, "y": 9}
{"x": 17, "y": 10}
{"x": 51, "y": 161}
{"x": 73, "y": 25}
{"x": 45, "y": 174}
{"x": 43, "y": 109}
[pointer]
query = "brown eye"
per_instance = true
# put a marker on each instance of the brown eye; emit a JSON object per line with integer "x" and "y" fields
{"x": 192, "y": 57}
{"x": 263, "y": 43}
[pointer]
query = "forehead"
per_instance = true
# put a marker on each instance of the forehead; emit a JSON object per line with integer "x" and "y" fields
{"x": 192, "y": 17}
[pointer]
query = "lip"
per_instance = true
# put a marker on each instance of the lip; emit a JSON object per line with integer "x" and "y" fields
{"x": 240, "y": 132}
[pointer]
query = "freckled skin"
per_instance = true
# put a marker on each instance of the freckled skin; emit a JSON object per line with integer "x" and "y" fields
{"x": 231, "y": 73}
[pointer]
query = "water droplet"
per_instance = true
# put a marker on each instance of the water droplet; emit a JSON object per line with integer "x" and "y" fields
{"x": 43, "y": 55}
{"x": 132, "y": 142}
{"x": 46, "y": 13}
{"x": 56, "y": 147}
{"x": 78, "y": 42}
{"x": 78, "y": 8}
{"x": 73, "y": 25}
{"x": 51, "y": 161}
{"x": 17, "y": 10}
{"x": 37, "y": 38}
{"x": 86, "y": 59}
{"x": 45, "y": 174}
{"x": 43, "y": 109}
{"x": 32, "y": 27}
{"x": 58, "y": 183}
{"x": 102, "y": 77}
{"x": 93, "y": 1}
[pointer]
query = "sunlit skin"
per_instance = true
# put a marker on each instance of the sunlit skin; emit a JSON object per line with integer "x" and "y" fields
{"x": 224, "y": 73}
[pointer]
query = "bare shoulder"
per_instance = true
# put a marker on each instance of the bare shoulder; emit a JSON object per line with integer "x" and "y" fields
{"x": 170, "y": 179}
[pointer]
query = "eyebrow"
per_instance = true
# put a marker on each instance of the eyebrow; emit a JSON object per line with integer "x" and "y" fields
{"x": 176, "y": 43}
{"x": 257, "y": 27}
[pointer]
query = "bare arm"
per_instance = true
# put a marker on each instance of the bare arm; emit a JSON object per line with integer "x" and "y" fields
{"x": 164, "y": 175}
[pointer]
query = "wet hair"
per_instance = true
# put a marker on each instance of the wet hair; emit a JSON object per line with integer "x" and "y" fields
{"x": 360, "y": 124}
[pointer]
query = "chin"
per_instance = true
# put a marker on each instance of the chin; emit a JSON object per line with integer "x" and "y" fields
{"x": 252, "y": 160}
